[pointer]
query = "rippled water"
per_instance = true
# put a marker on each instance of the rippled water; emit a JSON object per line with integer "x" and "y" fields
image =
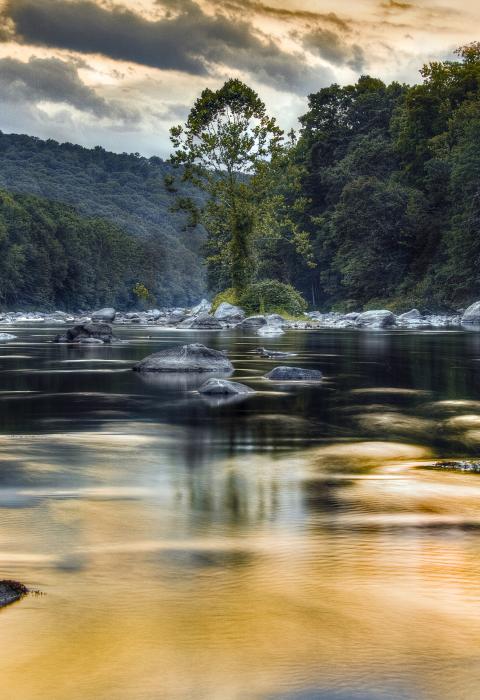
{"x": 293, "y": 545}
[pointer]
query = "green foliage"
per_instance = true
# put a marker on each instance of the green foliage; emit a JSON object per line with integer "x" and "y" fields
{"x": 271, "y": 296}
{"x": 50, "y": 257}
{"x": 138, "y": 195}
{"x": 387, "y": 196}
{"x": 227, "y": 137}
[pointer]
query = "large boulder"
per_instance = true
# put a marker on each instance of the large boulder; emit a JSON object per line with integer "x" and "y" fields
{"x": 10, "y": 591}
{"x": 201, "y": 322}
{"x": 289, "y": 374}
{"x": 108, "y": 315}
{"x": 276, "y": 320}
{"x": 252, "y": 323}
{"x": 413, "y": 315}
{"x": 228, "y": 313}
{"x": 379, "y": 318}
{"x": 186, "y": 358}
{"x": 204, "y": 307}
{"x": 472, "y": 314}
{"x": 224, "y": 387}
{"x": 85, "y": 331}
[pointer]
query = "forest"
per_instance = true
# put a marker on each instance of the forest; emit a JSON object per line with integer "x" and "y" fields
{"x": 127, "y": 191}
{"x": 375, "y": 202}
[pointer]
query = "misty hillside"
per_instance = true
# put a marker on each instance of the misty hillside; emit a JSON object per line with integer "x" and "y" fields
{"x": 136, "y": 194}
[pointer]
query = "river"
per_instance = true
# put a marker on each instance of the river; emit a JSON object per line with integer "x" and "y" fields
{"x": 293, "y": 545}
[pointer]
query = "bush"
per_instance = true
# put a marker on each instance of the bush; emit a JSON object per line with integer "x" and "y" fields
{"x": 271, "y": 296}
{"x": 229, "y": 296}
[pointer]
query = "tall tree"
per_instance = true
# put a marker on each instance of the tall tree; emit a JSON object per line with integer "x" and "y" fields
{"x": 226, "y": 138}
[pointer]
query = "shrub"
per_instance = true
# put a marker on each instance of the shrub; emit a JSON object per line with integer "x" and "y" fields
{"x": 271, "y": 296}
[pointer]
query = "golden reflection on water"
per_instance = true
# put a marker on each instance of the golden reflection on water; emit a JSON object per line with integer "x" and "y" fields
{"x": 343, "y": 566}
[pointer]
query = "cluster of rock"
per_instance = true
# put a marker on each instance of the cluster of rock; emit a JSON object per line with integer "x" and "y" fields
{"x": 201, "y": 317}
{"x": 383, "y": 318}
{"x": 200, "y": 359}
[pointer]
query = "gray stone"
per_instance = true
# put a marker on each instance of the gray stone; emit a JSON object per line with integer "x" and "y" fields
{"x": 412, "y": 315}
{"x": 204, "y": 307}
{"x": 472, "y": 314}
{"x": 10, "y": 591}
{"x": 379, "y": 318}
{"x": 224, "y": 387}
{"x": 6, "y": 336}
{"x": 252, "y": 323}
{"x": 108, "y": 314}
{"x": 229, "y": 313}
{"x": 202, "y": 322}
{"x": 263, "y": 352}
{"x": 186, "y": 358}
{"x": 83, "y": 331}
{"x": 294, "y": 374}
{"x": 276, "y": 320}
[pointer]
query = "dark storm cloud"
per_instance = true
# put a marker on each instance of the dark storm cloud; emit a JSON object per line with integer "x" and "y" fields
{"x": 186, "y": 39}
{"x": 53, "y": 80}
{"x": 332, "y": 48}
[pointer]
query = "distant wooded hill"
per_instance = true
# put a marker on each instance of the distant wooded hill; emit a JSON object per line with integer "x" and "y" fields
{"x": 135, "y": 194}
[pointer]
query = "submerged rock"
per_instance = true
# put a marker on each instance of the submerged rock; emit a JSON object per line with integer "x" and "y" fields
{"x": 472, "y": 314}
{"x": 379, "y": 318}
{"x": 108, "y": 314}
{"x": 186, "y": 358}
{"x": 270, "y": 331}
{"x": 294, "y": 374}
{"x": 85, "y": 332}
{"x": 263, "y": 352}
{"x": 224, "y": 387}
{"x": 10, "y": 591}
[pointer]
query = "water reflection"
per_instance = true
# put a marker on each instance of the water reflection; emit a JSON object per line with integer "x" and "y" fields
{"x": 294, "y": 545}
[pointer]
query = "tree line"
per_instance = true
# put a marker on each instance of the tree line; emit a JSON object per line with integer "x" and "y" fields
{"x": 376, "y": 201}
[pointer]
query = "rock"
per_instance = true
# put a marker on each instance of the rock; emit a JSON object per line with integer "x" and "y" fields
{"x": 6, "y": 336}
{"x": 270, "y": 331}
{"x": 91, "y": 341}
{"x": 276, "y": 320}
{"x": 252, "y": 323}
{"x": 461, "y": 465}
{"x": 224, "y": 387}
{"x": 294, "y": 374}
{"x": 154, "y": 314}
{"x": 263, "y": 352}
{"x": 412, "y": 315}
{"x": 472, "y": 314}
{"x": 83, "y": 331}
{"x": 175, "y": 317}
{"x": 186, "y": 358}
{"x": 202, "y": 322}
{"x": 375, "y": 319}
{"x": 229, "y": 313}
{"x": 204, "y": 307}
{"x": 108, "y": 315}
{"x": 10, "y": 591}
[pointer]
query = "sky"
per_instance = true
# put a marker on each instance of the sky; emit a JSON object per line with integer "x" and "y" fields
{"x": 120, "y": 73}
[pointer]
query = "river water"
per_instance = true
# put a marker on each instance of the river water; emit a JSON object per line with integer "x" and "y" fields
{"x": 294, "y": 545}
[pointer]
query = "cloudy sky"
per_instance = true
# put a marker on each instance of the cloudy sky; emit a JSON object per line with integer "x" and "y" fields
{"x": 119, "y": 73}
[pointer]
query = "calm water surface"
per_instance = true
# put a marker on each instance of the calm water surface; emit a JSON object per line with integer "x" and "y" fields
{"x": 294, "y": 545}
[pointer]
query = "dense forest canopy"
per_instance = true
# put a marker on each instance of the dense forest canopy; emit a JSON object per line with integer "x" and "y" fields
{"x": 374, "y": 203}
{"x": 390, "y": 190}
{"x": 136, "y": 194}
